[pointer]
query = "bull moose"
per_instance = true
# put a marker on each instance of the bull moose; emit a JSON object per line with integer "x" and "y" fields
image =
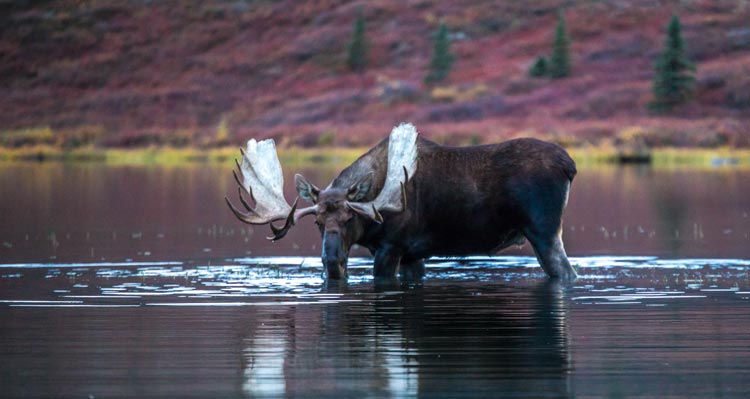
{"x": 409, "y": 198}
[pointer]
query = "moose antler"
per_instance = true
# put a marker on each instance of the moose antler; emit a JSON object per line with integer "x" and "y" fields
{"x": 402, "y": 158}
{"x": 263, "y": 181}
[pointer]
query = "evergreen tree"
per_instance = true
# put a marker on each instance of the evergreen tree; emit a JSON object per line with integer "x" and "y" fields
{"x": 673, "y": 82}
{"x": 559, "y": 61}
{"x": 442, "y": 59}
{"x": 538, "y": 68}
{"x": 357, "y": 59}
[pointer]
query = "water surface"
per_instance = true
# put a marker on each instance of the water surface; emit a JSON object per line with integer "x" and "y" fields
{"x": 138, "y": 282}
{"x": 58, "y": 212}
{"x": 479, "y": 327}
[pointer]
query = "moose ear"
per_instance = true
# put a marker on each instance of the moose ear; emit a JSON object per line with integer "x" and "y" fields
{"x": 358, "y": 191}
{"x": 305, "y": 189}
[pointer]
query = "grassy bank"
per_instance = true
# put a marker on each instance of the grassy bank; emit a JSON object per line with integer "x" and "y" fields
{"x": 163, "y": 155}
{"x": 665, "y": 158}
{"x": 157, "y": 155}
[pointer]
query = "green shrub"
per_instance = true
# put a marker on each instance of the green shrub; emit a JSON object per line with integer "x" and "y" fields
{"x": 673, "y": 81}
{"x": 357, "y": 59}
{"x": 559, "y": 61}
{"x": 539, "y": 67}
{"x": 442, "y": 59}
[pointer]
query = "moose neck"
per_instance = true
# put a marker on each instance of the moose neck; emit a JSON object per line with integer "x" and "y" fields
{"x": 374, "y": 161}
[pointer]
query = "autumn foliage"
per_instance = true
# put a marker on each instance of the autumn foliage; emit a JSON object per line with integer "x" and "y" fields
{"x": 141, "y": 72}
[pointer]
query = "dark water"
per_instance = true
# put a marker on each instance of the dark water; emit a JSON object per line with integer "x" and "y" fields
{"x": 136, "y": 282}
{"x": 55, "y": 212}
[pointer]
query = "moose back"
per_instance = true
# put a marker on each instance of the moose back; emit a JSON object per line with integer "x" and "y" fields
{"x": 409, "y": 198}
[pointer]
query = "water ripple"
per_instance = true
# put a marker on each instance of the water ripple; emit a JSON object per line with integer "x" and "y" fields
{"x": 273, "y": 281}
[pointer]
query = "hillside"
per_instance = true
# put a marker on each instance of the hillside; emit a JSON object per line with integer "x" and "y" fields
{"x": 139, "y": 72}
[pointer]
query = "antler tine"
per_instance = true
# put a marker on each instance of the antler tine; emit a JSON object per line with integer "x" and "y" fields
{"x": 244, "y": 203}
{"x": 403, "y": 188}
{"x": 403, "y": 196}
{"x": 237, "y": 178}
{"x": 248, "y": 190}
{"x": 378, "y": 218}
{"x": 243, "y": 217}
{"x": 279, "y": 233}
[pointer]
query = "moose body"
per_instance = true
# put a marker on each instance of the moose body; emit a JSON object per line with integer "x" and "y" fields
{"x": 449, "y": 201}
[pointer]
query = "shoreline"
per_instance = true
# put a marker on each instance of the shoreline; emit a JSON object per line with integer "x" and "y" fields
{"x": 663, "y": 157}
{"x": 165, "y": 155}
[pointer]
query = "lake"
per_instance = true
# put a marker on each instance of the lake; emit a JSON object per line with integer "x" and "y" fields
{"x": 137, "y": 281}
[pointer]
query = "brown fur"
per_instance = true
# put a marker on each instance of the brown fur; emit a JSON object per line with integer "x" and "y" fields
{"x": 461, "y": 201}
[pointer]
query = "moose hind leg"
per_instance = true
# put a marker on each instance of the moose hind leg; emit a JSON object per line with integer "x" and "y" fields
{"x": 551, "y": 255}
{"x": 544, "y": 231}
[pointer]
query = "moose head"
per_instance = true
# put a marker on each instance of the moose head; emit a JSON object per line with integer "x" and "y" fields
{"x": 343, "y": 210}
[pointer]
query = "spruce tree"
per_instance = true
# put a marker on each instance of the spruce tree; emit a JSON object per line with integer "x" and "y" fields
{"x": 538, "y": 68}
{"x": 357, "y": 59}
{"x": 559, "y": 61}
{"x": 673, "y": 82}
{"x": 442, "y": 59}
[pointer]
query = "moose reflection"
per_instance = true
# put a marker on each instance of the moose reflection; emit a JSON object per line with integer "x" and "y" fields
{"x": 413, "y": 342}
{"x": 408, "y": 198}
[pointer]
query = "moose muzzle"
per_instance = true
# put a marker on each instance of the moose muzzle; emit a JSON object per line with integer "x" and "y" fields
{"x": 334, "y": 256}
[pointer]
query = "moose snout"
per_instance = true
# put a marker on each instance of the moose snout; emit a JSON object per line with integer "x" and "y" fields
{"x": 334, "y": 255}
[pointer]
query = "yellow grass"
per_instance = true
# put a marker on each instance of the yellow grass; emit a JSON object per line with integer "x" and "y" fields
{"x": 170, "y": 155}
{"x": 702, "y": 157}
{"x": 692, "y": 158}
{"x": 670, "y": 158}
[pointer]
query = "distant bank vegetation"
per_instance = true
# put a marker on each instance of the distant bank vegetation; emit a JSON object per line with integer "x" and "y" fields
{"x": 91, "y": 144}
{"x": 455, "y": 76}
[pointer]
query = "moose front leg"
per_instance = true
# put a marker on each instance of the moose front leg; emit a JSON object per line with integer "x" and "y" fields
{"x": 411, "y": 268}
{"x": 387, "y": 262}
